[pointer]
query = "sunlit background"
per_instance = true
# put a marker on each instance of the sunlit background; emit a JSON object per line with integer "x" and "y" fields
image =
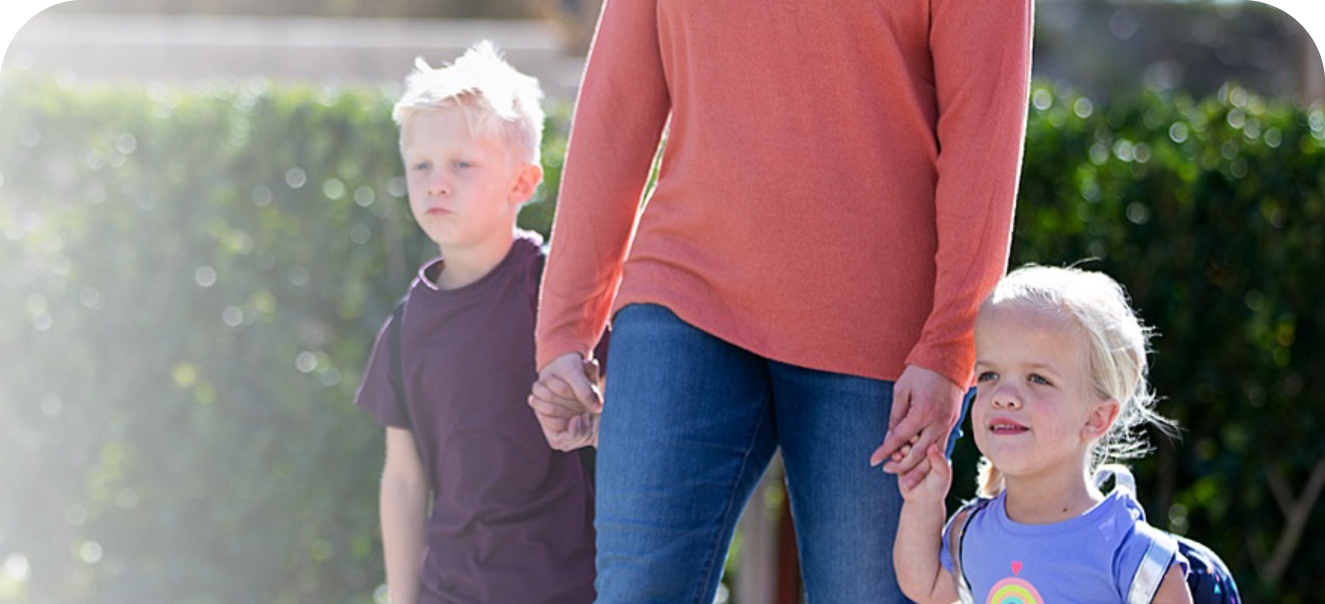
{"x": 202, "y": 225}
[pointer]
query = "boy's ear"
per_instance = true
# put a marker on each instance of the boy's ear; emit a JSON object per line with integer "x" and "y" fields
{"x": 525, "y": 183}
{"x": 1101, "y": 418}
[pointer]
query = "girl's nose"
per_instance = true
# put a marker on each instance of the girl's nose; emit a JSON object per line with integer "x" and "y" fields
{"x": 1006, "y": 397}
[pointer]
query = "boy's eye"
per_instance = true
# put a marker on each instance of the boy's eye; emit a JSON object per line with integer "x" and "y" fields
{"x": 462, "y": 165}
{"x": 422, "y": 166}
{"x": 1038, "y": 379}
{"x": 986, "y": 376}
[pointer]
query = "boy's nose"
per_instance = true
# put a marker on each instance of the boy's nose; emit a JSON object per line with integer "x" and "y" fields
{"x": 439, "y": 187}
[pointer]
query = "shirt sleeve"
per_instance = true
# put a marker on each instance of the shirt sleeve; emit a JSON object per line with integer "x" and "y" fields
{"x": 619, "y": 117}
{"x": 379, "y": 393}
{"x": 945, "y": 554}
{"x": 1141, "y": 543}
{"x": 982, "y": 58}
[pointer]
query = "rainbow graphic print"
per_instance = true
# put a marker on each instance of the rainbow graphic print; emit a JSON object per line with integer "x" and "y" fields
{"x": 1014, "y": 590}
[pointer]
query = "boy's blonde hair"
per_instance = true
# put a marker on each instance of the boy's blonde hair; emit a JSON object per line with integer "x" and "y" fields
{"x": 497, "y": 100}
{"x": 1116, "y": 347}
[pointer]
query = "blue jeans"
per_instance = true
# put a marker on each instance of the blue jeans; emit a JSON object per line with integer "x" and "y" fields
{"x": 691, "y": 423}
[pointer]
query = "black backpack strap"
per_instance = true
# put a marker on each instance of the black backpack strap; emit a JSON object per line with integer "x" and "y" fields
{"x": 393, "y": 354}
{"x": 397, "y": 367}
{"x": 589, "y": 459}
{"x": 956, "y": 532}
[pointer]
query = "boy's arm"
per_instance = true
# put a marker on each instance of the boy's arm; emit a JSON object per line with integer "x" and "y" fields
{"x": 1173, "y": 588}
{"x": 404, "y": 500}
{"x": 920, "y": 536}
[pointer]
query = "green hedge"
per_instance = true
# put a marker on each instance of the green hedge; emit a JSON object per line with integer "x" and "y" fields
{"x": 190, "y": 281}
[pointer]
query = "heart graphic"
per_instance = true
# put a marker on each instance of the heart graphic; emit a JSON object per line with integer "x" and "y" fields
{"x": 1016, "y": 568}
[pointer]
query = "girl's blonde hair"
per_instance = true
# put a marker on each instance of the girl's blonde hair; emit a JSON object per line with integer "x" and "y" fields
{"x": 497, "y": 100}
{"x": 1116, "y": 347}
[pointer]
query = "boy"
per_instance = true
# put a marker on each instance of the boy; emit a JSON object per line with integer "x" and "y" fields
{"x": 475, "y": 507}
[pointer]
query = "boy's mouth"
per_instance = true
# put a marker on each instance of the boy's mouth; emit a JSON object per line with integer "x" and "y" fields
{"x": 438, "y": 212}
{"x": 1007, "y": 426}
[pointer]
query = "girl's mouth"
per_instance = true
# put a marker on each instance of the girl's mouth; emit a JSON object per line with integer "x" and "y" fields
{"x": 1007, "y": 427}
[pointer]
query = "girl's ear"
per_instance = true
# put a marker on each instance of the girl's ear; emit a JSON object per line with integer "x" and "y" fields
{"x": 1101, "y": 418}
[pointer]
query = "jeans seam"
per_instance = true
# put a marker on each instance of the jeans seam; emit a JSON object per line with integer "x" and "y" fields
{"x": 714, "y": 549}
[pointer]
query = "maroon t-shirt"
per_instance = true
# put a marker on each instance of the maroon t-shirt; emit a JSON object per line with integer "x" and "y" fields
{"x": 512, "y": 520}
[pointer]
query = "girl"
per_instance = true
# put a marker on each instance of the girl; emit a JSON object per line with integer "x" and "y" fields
{"x": 1060, "y": 366}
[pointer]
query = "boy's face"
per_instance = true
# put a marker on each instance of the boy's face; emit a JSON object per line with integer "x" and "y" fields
{"x": 464, "y": 191}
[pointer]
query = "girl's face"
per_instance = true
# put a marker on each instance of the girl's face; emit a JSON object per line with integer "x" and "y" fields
{"x": 1035, "y": 415}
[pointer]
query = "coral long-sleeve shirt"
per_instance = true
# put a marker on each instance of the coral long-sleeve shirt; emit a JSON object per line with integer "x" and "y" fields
{"x": 837, "y": 186}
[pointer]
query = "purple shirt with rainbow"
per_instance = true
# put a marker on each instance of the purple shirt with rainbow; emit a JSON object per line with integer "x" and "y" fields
{"x": 1092, "y": 558}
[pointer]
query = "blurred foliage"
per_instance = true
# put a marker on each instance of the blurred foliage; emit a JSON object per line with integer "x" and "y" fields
{"x": 189, "y": 286}
{"x": 190, "y": 282}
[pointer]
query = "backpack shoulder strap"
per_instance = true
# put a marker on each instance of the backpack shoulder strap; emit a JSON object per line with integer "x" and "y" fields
{"x": 397, "y": 367}
{"x": 1160, "y": 554}
{"x": 956, "y": 532}
{"x": 393, "y": 353}
{"x": 1162, "y": 549}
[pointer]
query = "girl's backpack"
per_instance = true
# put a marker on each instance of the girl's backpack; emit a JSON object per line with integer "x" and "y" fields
{"x": 1208, "y": 578}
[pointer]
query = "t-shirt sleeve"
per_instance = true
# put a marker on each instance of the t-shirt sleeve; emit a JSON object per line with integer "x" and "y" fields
{"x": 379, "y": 393}
{"x": 1131, "y": 564}
{"x": 945, "y": 555}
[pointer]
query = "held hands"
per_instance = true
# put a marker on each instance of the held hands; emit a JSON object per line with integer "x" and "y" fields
{"x": 926, "y": 406}
{"x": 933, "y": 484}
{"x": 567, "y": 402}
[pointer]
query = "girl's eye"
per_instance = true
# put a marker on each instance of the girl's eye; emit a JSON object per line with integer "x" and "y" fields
{"x": 1037, "y": 379}
{"x": 462, "y": 165}
{"x": 422, "y": 166}
{"x": 986, "y": 376}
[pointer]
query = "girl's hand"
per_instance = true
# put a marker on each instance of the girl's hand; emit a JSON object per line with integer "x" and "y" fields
{"x": 933, "y": 487}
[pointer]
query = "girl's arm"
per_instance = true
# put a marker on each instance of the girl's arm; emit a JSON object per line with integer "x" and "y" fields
{"x": 404, "y": 500}
{"x": 920, "y": 536}
{"x": 1173, "y": 588}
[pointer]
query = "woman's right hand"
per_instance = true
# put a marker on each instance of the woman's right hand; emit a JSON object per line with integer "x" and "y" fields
{"x": 567, "y": 402}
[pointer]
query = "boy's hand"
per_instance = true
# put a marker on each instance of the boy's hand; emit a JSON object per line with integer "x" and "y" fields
{"x": 933, "y": 486}
{"x": 567, "y": 402}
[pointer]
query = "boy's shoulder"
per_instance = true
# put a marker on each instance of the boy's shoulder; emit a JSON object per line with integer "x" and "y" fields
{"x": 523, "y": 264}
{"x": 533, "y": 251}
